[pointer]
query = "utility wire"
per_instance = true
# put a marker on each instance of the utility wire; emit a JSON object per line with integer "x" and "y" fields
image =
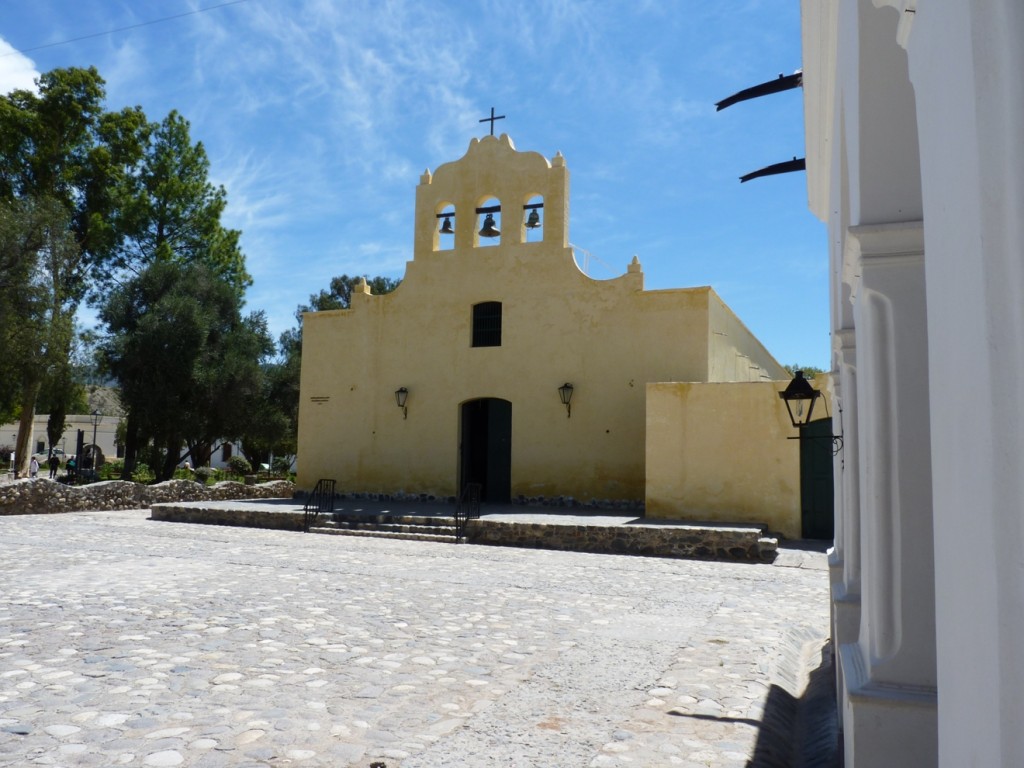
{"x": 123, "y": 29}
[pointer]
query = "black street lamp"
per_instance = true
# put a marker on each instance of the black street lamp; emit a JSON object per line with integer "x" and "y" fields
{"x": 97, "y": 417}
{"x": 800, "y": 397}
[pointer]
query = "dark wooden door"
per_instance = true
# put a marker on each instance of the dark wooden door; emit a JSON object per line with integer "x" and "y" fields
{"x": 817, "y": 501}
{"x": 486, "y": 448}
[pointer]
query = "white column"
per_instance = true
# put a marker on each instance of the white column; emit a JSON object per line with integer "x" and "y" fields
{"x": 844, "y": 559}
{"x": 966, "y": 63}
{"x": 889, "y": 670}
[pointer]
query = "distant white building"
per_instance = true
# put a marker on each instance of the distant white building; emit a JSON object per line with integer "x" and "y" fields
{"x": 105, "y": 433}
{"x": 915, "y": 159}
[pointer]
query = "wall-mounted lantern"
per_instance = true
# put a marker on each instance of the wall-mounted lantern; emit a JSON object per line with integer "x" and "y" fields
{"x": 799, "y": 397}
{"x": 565, "y": 395}
{"x": 401, "y": 395}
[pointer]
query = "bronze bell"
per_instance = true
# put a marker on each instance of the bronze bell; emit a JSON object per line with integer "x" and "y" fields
{"x": 533, "y": 220}
{"x": 488, "y": 229}
{"x": 446, "y": 226}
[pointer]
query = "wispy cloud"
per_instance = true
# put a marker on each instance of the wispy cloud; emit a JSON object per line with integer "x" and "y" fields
{"x": 17, "y": 71}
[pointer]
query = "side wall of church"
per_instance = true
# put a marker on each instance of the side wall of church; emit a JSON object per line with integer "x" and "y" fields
{"x": 718, "y": 452}
{"x": 734, "y": 353}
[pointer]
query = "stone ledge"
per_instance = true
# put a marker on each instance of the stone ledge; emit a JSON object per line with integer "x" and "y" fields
{"x": 245, "y": 518}
{"x": 651, "y": 541}
{"x": 42, "y": 496}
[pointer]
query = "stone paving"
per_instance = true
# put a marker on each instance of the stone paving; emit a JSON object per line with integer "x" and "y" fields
{"x": 125, "y": 641}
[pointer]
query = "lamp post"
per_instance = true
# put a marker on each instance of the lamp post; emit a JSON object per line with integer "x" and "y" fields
{"x": 97, "y": 417}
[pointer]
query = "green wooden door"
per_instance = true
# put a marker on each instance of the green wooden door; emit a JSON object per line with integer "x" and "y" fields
{"x": 816, "y": 491}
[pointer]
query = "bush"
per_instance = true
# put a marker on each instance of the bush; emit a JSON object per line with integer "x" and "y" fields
{"x": 203, "y": 475}
{"x": 112, "y": 470}
{"x": 143, "y": 474}
{"x": 239, "y": 465}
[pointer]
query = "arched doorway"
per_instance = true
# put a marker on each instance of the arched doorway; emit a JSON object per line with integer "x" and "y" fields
{"x": 485, "y": 447}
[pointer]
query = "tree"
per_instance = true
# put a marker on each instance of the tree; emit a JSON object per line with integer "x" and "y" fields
{"x": 64, "y": 164}
{"x": 61, "y": 144}
{"x": 173, "y": 213}
{"x": 339, "y": 293}
{"x": 39, "y": 279}
{"x": 171, "y": 229}
{"x": 187, "y": 362}
{"x": 810, "y": 371}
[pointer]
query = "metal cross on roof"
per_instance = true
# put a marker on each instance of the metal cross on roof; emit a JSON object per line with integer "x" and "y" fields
{"x": 491, "y": 120}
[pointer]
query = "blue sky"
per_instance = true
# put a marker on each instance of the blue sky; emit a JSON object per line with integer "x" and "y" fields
{"x": 319, "y": 116}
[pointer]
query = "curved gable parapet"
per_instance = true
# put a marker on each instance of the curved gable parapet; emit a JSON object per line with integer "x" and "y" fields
{"x": 493, "y": 169}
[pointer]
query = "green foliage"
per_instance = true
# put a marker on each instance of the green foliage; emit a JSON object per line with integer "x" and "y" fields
{"x": 810, "y": 371}
{"x": 188, "y": 364}
{"x": 39, "y": 276}
{"x": 339, "y": 293}
{"x": 111, "y": 470}
{"x": 63, "y": 165}
{"x": 143, "y": 474}
{"x": 239, "y": 465}
{"x": 203, "y": 475}
{"x": 172, "y": 212}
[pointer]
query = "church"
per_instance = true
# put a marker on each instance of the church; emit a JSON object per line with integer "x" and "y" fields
{"x": 497, "y": 361}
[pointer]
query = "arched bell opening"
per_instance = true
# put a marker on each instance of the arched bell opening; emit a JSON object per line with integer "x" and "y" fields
{"x": 488, "y": 229}
{"x": 533, "y": 219}
{"x": 444, "y": 239}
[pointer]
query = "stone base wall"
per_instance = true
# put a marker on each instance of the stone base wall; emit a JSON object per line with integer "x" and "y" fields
{"x": 245, "y": 518}
{"x": 42, "y": 496}
{"x": 731, "y": 543}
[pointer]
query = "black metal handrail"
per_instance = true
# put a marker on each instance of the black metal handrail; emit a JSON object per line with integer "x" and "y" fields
{"x": 468, "y": 507}
{"x": 320, "y": 500}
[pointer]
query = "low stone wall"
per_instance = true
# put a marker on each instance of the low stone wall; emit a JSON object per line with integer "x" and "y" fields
{"x": 695, "y": 542}
{"x": 245, "y": 518}
{"x": 41, "y": 496}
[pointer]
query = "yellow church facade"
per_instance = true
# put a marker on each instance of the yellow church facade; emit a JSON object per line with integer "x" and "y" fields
{"x": 498, "y": 361}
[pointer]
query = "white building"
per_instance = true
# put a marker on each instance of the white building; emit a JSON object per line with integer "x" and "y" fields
{"x": 105, "y": 432}
{"x": 915, "y": 157}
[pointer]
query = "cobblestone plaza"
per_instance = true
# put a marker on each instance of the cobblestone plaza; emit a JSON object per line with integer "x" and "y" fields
{"x": 125, "y": 641}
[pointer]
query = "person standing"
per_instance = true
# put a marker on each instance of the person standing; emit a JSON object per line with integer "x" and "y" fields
{"x": 54, "y": 463}
{"x": 33, "y": 467}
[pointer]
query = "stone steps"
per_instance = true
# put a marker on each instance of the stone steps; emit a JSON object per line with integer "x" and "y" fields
{"x": 409, "y": 527}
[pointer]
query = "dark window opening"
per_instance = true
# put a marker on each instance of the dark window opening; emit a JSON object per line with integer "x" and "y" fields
{"x": 487, "y": 324}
